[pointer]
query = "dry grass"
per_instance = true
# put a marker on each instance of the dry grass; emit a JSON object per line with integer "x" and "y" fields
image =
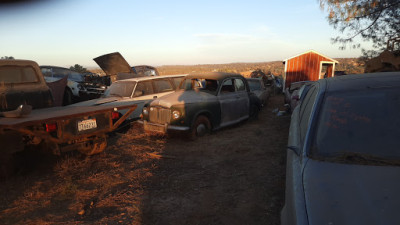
{"x": 234, "y": 176}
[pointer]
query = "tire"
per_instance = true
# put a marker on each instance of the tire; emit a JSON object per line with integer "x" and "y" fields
{"x": 67, "y": 99}
{"x": 95, "y": 147}
{"x": 201, "y": 127}
{"x": 254, "y": 110}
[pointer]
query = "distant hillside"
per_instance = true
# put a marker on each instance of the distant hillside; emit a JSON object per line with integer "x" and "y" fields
{"x": 349, "y": 65}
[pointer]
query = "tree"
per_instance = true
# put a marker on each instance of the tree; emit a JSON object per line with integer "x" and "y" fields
{"x": 78, "y": 68}
{"x": 377, "y": 21}
{"x": 7, "y": 57}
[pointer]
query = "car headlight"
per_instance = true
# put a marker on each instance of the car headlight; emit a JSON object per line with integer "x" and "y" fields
{"x": 176, "y": 114}
{"x": 145, "y": 111}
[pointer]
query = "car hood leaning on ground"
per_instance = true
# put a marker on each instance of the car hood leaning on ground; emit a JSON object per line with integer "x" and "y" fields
{"x": 351, "y": 194}
{"x": 183, "y": 97}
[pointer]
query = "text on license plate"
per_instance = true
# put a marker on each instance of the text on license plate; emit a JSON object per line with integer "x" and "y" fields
{"x": 87, "y": 124}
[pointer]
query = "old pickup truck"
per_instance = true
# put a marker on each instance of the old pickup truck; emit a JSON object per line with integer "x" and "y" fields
{"x": 27, "y": 118}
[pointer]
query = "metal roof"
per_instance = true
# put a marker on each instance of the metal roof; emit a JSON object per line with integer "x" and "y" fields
{"x": 309, "y": 52}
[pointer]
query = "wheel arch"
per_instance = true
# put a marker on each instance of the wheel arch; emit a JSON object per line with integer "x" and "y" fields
{"x": 205, "y": 113}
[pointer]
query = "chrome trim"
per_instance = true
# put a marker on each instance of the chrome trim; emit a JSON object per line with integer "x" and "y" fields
{"x": 173, "y": 127}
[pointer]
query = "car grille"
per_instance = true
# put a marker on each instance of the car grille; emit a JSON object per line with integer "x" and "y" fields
{"x": 159, "y": 115}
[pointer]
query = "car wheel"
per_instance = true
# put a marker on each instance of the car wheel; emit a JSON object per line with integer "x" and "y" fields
{"x": 201, "y": 127}
{"x": 254, "y": 112}
{"x": 67, "y": 99}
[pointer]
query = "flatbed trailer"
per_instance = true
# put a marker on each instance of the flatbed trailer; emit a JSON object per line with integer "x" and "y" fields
{"x": 61, "y": 129}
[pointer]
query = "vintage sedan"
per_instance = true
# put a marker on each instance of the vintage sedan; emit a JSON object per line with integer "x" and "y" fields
{"x": 140, "y": 91}
{"x": 343, "y": 158}
{"x": 207, "y": 101}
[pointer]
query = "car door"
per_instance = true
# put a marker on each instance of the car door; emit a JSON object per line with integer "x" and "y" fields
{"x": 242, "y": 99}
{"x": 227, "y": 98}
{"x": 294, "y": 211}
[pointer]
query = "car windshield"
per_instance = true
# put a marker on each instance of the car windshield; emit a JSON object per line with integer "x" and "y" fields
{"x": 17, "y": 74}
{"x": 254, "y": 85}
{"x": 120, "y": 89}
{"x": 206, "y": 85}
{"x": 360, "y": 123}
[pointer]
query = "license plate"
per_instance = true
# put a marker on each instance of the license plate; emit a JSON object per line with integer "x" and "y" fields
{"x": 155, "y": 128}
{"x": 87, "y": 124}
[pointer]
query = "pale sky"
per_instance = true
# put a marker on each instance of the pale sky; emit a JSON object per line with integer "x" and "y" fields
{"x": 68, "y": 32}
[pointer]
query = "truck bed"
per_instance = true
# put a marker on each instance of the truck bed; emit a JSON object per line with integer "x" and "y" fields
{"x": 57, "y": 113}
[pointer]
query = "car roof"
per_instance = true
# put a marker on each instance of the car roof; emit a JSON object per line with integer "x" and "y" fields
{"x": 213, "y": 75}
{"x": 361, "y": 81}
{"x": 150, "y": 78}
{"x": 18, "y": 62}
{"x": 55, "y": 67}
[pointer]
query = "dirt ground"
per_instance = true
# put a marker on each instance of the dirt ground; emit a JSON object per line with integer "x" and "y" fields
{"x": 233, "y": 176}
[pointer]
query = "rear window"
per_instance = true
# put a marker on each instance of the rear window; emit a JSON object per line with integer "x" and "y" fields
{"x": 365, "y": 122}
{"x": 18, "y": 75}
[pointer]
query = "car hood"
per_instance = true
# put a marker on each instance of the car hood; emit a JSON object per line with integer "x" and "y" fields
{"x": 113, "y": 63}
{"x": 351, "y": 194}
{"x": 182, "y": 97}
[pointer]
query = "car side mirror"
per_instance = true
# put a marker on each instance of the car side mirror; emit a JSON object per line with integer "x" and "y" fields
{"x": 295, "y": 149}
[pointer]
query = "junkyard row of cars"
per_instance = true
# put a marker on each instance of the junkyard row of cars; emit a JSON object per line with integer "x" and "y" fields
{"x": 342, "y": 156}
{"x": 194, "y": 104}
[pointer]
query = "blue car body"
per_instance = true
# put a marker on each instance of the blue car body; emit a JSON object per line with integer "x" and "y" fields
{"x": 343, "y": 152}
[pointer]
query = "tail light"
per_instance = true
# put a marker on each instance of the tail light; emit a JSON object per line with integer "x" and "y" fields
{"x": 51, "y": 127}
{"x": 115, "y": 115}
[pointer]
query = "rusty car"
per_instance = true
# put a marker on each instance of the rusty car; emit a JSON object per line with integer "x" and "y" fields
{"x": 206, "y": 101}
{"x": 27, "y": 118}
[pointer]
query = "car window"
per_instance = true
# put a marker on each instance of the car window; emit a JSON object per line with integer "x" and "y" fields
{"x": 16, "y": 75}
{"x": 177, "y": 81}
{"x": 227, "y": 87}
{"x": 143, "y": 88}
{"x": 120, "y": 89}
{"x": 162, "y": 85}
{"x": 239, "y": 85}
{"x": 305, "y": 111}
{"x": 363, "y": 122}
{"x": 75, "y": 76}
{"x": 46, "y": 72}
{"x": 59, "y": 72}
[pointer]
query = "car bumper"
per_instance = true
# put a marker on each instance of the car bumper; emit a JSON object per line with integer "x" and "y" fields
{"x": 162, "y": 128}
